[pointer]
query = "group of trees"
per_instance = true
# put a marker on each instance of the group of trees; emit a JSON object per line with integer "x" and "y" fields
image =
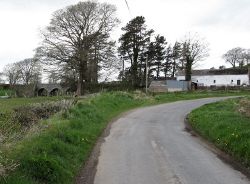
{"x": 140, "y": 51}
{"x": 77, "y": 48}
{"x": 26, "y": 72}
{"x": 237, "y": 57}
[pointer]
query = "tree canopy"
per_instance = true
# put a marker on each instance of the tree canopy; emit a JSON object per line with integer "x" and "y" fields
{"x": 237, "y": 57}
{"x": 132, "y": 46}
{"x": 194, "y": 49}
{"x": 78, "y": 36}
{"x": 27, "y": 71}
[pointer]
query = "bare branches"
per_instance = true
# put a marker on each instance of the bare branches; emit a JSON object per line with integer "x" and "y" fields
{"x": 30, "y": 70}
{"x": 12, "y": 73}
{"x": 237, "y": 56}
{"x": 25, "y": 72}
{"x": 76, "y": 36}
{"x": 194, "y": 49}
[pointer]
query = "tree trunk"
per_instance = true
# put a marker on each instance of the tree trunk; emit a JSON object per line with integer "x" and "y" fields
{"x": 81, "y": 87}
{"x": 174, "y": 69}
{"x": 188, "y": 70}
{"x": 134, "y": 69}
{"x": 80, "y": 84}
{"x": 140, "y": 74}
{"x": 158, "y": 70}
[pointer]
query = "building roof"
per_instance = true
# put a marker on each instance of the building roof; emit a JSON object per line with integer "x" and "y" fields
{"x": 228, "y": 71}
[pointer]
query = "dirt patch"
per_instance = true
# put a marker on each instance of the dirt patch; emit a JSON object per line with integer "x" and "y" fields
{"x": 225, "y": 157}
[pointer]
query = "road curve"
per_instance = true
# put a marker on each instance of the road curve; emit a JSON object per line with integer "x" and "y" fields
{"x": 150, "y": 146}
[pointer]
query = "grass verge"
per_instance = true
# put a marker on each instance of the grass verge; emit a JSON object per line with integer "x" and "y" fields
{"x": 16, "y": 112}
{"x": 55, "y": 154}
{"x": 227, "y": 125}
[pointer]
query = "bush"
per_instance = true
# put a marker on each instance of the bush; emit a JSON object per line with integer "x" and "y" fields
{"x": 6, "y": 92}
{"x": 28, "y": 115}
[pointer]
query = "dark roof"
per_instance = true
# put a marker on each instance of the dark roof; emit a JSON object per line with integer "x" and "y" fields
{"x": 228, "y": 71}
{"x": 163, "y": 78}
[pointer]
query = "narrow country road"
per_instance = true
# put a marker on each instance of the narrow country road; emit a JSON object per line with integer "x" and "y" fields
{"x": 150, "y": 146}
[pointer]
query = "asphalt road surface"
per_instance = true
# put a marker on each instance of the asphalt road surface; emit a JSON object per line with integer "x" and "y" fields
{"x": 150, "y": 146}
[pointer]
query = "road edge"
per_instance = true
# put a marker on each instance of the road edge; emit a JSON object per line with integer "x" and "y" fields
{"x": 87, "y": 173}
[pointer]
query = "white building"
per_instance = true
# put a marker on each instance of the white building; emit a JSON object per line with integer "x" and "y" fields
{"x": 224, "y": 77}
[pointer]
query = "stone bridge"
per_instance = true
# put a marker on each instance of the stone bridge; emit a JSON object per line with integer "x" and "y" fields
{"x": 49, "y": 89}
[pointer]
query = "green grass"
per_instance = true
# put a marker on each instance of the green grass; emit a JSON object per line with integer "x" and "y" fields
{"x": 223, "y": 124}
{"x": 7, "y": 105}
{"x": 171, "y": 97}
{"x": 55, "y": 154}
{"x": 6, "y": 92}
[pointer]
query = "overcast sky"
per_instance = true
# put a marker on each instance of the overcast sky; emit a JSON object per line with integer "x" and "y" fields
{"x": 224, "y": 23}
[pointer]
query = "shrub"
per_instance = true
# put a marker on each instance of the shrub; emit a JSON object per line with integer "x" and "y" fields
{"x": 244, "y": 107}
{"x": 28, "y": 115}
{"x": 6, "y": 92}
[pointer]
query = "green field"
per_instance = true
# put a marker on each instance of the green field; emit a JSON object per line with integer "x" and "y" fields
{"x": 54, "y": 150}
{"x": 227, "y": 125}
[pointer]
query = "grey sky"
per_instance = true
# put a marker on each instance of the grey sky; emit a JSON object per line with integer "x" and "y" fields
{"x": 224, "y": 23}
{"x": 230, "y": 13}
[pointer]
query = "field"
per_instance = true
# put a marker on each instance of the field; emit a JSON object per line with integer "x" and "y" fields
{"x": 227, "y": 125}
{"x": 7, "y": 105}
{"x": 53, "y": 150}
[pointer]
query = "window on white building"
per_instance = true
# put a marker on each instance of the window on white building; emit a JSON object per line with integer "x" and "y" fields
{"x": 238, "y": 82}
{"x": 214, "y": 81}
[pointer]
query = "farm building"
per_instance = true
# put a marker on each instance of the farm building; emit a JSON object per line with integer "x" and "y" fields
{"x": 223, "y": 77}
{"x": 161, "y": 86}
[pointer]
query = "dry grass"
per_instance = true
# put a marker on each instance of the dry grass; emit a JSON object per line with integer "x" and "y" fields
{"x": 244, "y": 106}
{"x": 6, "y": 165}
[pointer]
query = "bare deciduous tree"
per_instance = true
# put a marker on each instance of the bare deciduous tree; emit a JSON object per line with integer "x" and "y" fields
{"x": 235, "y": 56}
{"x": 194, "y": 49}
{"x": 110, "y": 64}
{"x": 23, "y": 72}
{"x": 246, "y": 56}
{"x": 73, "y": 34}
{"x": 30, "y": 70}
{"x": 12, "y": 73}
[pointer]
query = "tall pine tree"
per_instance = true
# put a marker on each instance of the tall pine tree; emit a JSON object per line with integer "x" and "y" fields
{"x": 132, "y": 44}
